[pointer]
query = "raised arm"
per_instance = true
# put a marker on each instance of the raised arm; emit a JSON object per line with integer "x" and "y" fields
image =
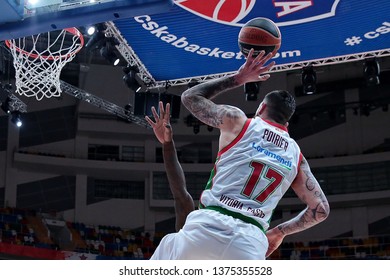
{"x": 183, "y": 201}
{"x": 317, "y": 208}
{"x": 198, "y": 98}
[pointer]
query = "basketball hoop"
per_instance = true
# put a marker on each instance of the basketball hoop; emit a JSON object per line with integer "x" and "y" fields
{"x": 39, "y": 59}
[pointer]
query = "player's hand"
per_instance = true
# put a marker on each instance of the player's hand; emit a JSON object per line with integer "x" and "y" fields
{"x": 161, "y": 127}
{"x": 275, "y": 238}
{"x": 254, "y": 68}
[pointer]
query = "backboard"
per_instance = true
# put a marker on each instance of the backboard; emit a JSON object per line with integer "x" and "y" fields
{"x": 19, "y": 18}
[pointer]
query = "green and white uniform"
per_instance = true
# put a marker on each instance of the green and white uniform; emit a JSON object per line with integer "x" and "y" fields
{"x": 249, "y": 178}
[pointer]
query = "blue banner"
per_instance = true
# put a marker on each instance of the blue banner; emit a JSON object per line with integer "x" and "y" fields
{"x": 199, "y": 38}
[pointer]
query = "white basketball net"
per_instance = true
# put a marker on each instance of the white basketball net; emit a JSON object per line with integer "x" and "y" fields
{"x": 39, "y": 59}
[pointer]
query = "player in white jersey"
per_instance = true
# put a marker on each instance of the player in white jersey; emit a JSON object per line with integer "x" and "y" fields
{"x": 257, "y": 162}
{"x": 253, "y": 172}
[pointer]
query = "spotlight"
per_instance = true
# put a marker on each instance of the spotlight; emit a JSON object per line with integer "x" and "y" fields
{"x": 251, "y": 91}
{"x": 128, "y": 108}
{"x": 91, "y": 30}
{"x": 98, "y": 37}
{"x": 342, "y": 113}
{"x": 196, "y": 128}
{"x": 5, "y": 91}
{"x": 15, "y": 118}
{"x": 5, "y": 105}
{"x": 371, "y": 71}
{"x": 4, "y": 97}
{"x": 108, "y": 53}
{"x": 189, "y": 120}
{"x": 130, "y": 78}
{"x": 309, "y": 79}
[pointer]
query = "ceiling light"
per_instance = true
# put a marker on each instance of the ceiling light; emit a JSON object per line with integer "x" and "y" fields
{"x": 98, "y": 37}
{"x": 130, "y": 78}
{"x": 251, "y": 91}
{"x": 371, "y": 71}
{"x": 5, "y": 105}
{"x": 91, "y": 30}
{"x": 309, "y": 80}
{"x": 16, "y": 119}
{"x": 128, "y": 108}
{"x": 108, "y": 53}
{"x": 196, "y": 128}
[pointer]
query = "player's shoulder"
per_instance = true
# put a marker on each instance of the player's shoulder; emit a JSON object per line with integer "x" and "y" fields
{"x": 234, "y": 111}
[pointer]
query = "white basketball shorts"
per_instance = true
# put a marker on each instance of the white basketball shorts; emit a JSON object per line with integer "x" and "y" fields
{"x": 208, "y": 234}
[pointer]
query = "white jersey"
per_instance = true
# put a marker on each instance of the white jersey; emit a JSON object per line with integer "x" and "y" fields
{"x": 252, "y": 173}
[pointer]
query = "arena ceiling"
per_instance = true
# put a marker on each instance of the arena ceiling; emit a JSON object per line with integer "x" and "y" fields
{"x": 173, "y": 42}
{"x": 183, "y": 40}
{"x": 197, "y": 41}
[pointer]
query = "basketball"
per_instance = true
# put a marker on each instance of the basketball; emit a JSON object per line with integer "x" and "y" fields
{"x": 259, "y": 34}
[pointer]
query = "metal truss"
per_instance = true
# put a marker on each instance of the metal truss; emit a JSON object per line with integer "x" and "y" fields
{"x": 284, "y": 67}
{"x": 103, "y": 104}
{"x": 129, "y": 55}
{"x": 11, "y": 102}
{"x": 15, "y": 104}
{"x": 331, "y": 60}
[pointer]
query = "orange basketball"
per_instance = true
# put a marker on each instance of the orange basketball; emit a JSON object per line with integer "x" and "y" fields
{"x": 259, "y": 34}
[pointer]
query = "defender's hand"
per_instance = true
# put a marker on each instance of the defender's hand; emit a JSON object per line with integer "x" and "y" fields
{"x": 161, "y": 127}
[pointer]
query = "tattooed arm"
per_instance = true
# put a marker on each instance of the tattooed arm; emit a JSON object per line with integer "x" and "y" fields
{"x": 317, "y": 210}
{"x": 197, "y": 101}
{"x": 198, "y": 98}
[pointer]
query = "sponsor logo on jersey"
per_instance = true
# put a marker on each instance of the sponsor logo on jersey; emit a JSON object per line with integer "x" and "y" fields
{"x": 282, "y": 12}
{"x": 285, "y": 163}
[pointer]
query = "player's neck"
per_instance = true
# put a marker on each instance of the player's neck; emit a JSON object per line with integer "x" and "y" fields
{"x": 266, "y": 118}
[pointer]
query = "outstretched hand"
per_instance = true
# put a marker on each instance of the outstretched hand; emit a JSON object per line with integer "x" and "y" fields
{"x": 161, "y": 127}
{"x": 254, "y": 68}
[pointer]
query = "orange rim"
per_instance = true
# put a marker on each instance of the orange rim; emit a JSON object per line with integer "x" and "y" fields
{"x": 72, "y": 30}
